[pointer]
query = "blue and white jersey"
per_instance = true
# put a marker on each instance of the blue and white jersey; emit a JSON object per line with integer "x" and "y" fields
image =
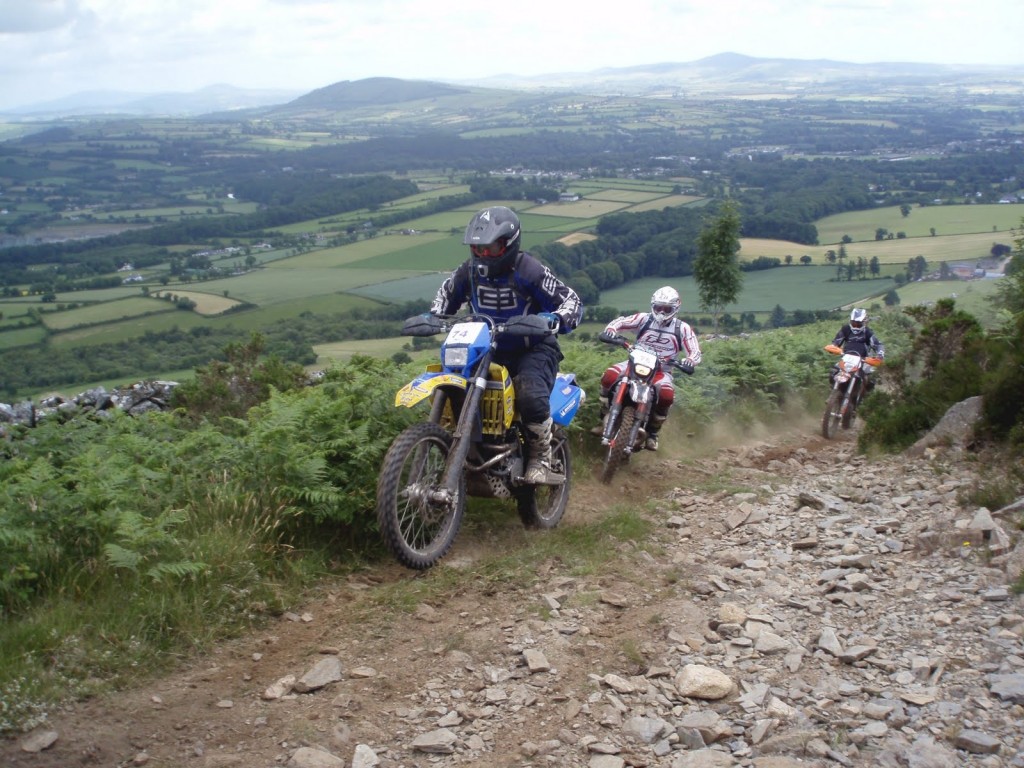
{"x": 528, "y": 289}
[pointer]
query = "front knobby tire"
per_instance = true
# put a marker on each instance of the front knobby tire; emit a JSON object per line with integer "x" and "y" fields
{"x": 617, "y": 450}
{"x": 542, "y": 506}
{"x": 851, "y": 405}
{"x": 832, "y": 415}
{"x": 417, "y": 528}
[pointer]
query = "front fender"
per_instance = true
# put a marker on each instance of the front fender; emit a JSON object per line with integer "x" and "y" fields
{"x": 423, "y": 386}
{"x": 639, "y": 391}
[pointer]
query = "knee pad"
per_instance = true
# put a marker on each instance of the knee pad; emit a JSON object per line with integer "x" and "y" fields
{"x": 532, "y": 399}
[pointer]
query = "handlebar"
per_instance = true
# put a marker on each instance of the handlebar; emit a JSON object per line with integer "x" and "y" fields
{"x": 621, "y": 341}
{"x": 617, "y": 340}
{"x": 836, "y": 350}
{"x": 522, "y": 325}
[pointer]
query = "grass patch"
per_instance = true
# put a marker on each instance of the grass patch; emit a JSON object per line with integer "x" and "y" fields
{"x": 137, "y": 624}
{"x": 513, "y": 558}
{"x": 975, "y": 297}
{"x": 105, "y": 312}
{"x": 22, "y": 337}
{"x": 791, "y": 287}
{"x": 205, "y": 303}
{"x": 993, "y": 220}
{"x": 967, "y": 248}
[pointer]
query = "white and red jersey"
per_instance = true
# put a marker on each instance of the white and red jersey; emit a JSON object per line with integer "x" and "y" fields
{"x": 674, "y": 339}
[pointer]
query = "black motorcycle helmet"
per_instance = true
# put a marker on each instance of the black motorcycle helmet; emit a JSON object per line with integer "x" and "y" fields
{"x": 493, "y": 240}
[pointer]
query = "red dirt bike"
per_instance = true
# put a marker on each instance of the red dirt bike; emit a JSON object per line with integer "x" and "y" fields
{"x": 848, "y": 387}
{"x": 630, "y": 402}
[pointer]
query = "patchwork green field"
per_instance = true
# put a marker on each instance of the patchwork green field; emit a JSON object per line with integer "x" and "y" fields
{"x": 974, "y": 296}
{"x": 996, "y": 219}
{"x": 409, "y": 265}
{"x": 791, "y": 288}
{"x": 966, "y": 248}
{"x": 105, "y": 312}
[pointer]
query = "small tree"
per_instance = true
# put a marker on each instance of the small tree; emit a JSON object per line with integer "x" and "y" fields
{"x": 716, "y": 268}
{"x": 778, "y": 317}
{"x": 1010, "y": 290}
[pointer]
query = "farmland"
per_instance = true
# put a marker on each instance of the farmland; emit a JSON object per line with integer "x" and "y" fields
{"x": 270, "y": 223}
{"x": 408, "y": 265}
{"x": 921, "y": 221}
{"x": 813, "y": 288}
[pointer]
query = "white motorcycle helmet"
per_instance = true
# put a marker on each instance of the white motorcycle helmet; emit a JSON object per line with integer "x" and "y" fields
{"x": 858, "y": 318}
{"x": 665, "y": 304}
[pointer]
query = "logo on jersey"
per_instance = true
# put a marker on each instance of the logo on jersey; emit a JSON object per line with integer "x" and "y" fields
{"x": 496, "y": 298}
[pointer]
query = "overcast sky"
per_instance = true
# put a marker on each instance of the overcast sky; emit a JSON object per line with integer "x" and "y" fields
{"x": 53, "y": 48}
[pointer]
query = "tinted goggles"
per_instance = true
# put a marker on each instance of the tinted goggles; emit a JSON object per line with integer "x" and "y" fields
{"x": 489, "y": 251}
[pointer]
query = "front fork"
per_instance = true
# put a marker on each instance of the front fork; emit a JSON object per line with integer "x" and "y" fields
{"x": 848, "y": 388}
{"x": 642, "y": 402}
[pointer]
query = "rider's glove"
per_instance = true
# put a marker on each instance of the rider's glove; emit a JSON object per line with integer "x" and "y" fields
{"x": 606, "y": 335}
{"x": 686, "y": 366}
{"x": 554, "y": 321}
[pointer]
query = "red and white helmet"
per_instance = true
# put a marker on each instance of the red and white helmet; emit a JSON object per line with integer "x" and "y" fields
{"x": 665, "y": 304}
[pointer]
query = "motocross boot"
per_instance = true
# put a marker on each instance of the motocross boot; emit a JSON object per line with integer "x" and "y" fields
{"x": 538, "y": 468}
{"x": 605, "y": 407}
{"x": 653, "y": 428}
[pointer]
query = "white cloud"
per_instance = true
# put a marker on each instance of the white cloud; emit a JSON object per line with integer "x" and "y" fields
{"x": 27, "y": 16}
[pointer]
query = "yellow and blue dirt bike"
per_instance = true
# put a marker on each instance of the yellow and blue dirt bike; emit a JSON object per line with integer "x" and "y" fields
{"x": 473, "y": 443}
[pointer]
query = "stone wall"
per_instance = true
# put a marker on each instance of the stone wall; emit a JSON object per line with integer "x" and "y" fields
{"x": 141, "y": 397}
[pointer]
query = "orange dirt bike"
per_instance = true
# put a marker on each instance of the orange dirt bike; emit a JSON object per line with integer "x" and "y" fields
{"x": 848, "y": 387}
{"x": 630, "y": 402}
{"x": 473, "y": 442}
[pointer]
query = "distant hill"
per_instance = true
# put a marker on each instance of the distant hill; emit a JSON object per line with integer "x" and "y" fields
{"x": 213, "y": 98}
{"x": 723, "y": 75}
{"x": 733, "y": 74}
{"x": 373, "y": 91}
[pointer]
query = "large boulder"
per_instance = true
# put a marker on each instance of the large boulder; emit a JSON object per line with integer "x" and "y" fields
{"x": 954, "y": 430}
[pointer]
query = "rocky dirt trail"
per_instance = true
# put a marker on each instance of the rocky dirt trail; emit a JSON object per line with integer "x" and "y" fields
{"x": 795, "y": 605}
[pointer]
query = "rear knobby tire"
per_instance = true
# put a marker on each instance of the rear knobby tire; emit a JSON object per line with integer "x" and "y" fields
{"x": 542, "y": 506}
{"x": 416, "y": 530}
{"x": 617, "y": 451}
{"x": 831, "y": 417}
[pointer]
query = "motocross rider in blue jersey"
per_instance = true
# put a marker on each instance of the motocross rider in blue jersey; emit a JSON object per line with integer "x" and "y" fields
{"x": 502, "y": 281}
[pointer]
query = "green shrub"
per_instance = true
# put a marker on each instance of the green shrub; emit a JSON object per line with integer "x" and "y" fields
{"x": 231, "y": 388}
{"x": 946, "y": 363}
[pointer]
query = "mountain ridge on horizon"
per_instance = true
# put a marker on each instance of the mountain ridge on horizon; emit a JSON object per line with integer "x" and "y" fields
{"x": 709, "y": 73}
